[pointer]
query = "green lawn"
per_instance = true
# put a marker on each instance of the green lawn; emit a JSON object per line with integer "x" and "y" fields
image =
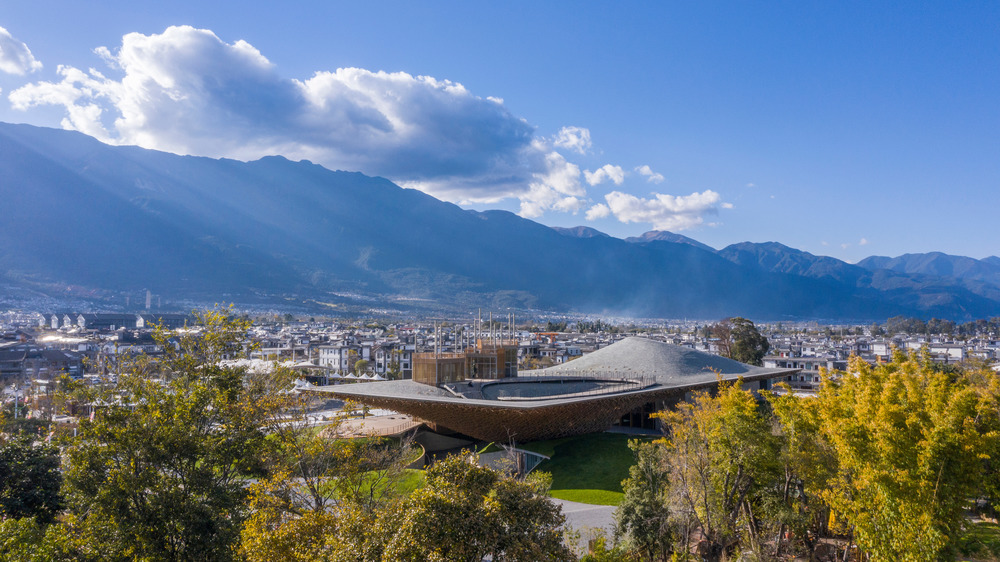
{"x": 586, "y": 468}
{"x": 981, "y": 542}
{"x": 411, "y": 479}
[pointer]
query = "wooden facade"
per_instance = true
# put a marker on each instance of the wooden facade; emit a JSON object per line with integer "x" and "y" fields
{"x": 439, "y": 368}
{"x": 485, "y": 361}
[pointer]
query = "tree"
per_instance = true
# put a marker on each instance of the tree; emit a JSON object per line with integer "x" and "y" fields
{"x": 271, "y": 534}
{"x": 352, "y": 359}
{"x": 160, "y": 472}
{"x": 910, "y": 443}
{"x": 29, "y": 479}
{"x": 808, "y": 462}
{"x": 361, "y": 366}
{"x": 393, "y": 371}
{"x": 311, "y": 471}
{"x": 463, "y": 512}
{"x": 643, "y": 518}
{"x": 722, "y": 461}
{"x": 469, "y": 512}
{"x": 739, "y": 339}
{"x": 319, "y": 489}
{"x": 551, "y": 326}
{"x": 25, "y": 539}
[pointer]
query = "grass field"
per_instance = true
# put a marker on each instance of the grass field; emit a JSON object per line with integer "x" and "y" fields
{"x": 981, "y": 542}
{"x": 586, "y": 468}
{"x": 411, "y": 480}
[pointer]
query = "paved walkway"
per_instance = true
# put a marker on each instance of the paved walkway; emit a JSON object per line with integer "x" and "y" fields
{"x": 586, "y": 519}
{"x": 375, "y": 425}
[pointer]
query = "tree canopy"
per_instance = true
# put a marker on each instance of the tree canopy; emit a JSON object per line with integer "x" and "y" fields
{"x": 739, "y": 339}
{"x": 193, "y": 457}
{"x": 888, "y": 457}
{"x": 30, "y": 480}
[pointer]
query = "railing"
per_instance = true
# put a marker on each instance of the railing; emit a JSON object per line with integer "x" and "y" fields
{"x": 397, "y": 429}
{"x": 349, "y": 429}
{"x": 607, "y": 385}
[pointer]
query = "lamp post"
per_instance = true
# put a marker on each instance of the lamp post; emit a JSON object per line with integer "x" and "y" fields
{"x": 17, "y": 391}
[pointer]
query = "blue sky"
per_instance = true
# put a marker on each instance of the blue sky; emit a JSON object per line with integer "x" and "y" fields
{"x": 845, "y": 129}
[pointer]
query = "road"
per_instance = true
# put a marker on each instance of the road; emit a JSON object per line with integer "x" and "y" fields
{"x": 586, "y": 519}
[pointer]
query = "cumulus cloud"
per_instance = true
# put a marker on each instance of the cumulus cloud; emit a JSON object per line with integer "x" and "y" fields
{"x": 598, "y": 211}
{"x": 606, "y": 172}
{"x": 557, "y": 188}
{"x": 863, "y": 242}
{"x": 664, "y": 212}
{"x": 187, "y": 91}
{"x": 651, "y": 176}
{"x": 576, "y": 139}
{"x": 15, "y": 56}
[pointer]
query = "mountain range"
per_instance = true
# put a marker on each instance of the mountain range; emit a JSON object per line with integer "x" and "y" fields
{"x": 80, "y": 213}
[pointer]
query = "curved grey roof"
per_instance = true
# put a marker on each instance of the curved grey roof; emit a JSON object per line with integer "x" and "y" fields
{"x": 670, "y": 364}
{"x": 665, "y": 369}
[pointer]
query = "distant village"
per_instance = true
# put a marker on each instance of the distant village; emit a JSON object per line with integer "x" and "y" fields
{"x": 37, "y": 349}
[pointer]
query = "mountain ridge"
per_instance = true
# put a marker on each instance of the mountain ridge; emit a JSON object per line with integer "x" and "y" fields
{"x": 120, "y": 218}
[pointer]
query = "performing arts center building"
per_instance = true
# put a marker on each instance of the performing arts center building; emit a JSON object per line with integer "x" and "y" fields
{"x": 480, "y": 394}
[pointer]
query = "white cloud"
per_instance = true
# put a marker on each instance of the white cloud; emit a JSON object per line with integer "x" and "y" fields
{"x": 186, "y": 91}
{"x": 598, "y": 211}
{"x": 664, "y": 212}
{"x": 606, "y": 172}
{"x": 751, "y": 185}
{"x": 576, "y": 139}
{"x": 79, "y": 92}
{"x": 557, "y": 188}
{"x": 15, "y": 56}
{"x": 863, "y": 242}
{"x": 651, "y": 176}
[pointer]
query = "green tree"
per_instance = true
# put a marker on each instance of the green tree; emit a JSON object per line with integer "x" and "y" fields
{"x": 643, "y": 519}
{"x": 723, "y": 465}
{"x": 469, "y": 512}
{"x": 739, "y": 339}
{"x": 159, "y": 474}
{"x": 551, "y": 326}
{"x": 318, "y": 487}
{"x": 393, "y": 370}
{"x": 361, "y": 366}
{"x": 25, "y": 539}
{"x": 464, "y": 512}
{"x": 29, "y": 479}
{"x": 807, "y": 462}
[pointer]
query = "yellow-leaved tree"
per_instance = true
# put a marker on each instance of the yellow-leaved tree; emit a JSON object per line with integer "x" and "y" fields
{"x": 911, "y": 441}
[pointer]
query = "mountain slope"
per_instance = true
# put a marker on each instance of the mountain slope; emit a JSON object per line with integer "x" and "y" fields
{"x": 932, "y": 294}
{"x": 778, "y": 258}
{"x": 939, "y": 265}
{"x": 579, "y": 231}
{"x": 666, "y": 236}
{"x": 120, "y": 218}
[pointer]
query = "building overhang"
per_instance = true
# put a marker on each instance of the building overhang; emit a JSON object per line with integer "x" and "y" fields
{"x": 536, "y": 418}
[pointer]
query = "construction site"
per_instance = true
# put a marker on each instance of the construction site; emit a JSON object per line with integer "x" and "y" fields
{"x": 484, "y": 355}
